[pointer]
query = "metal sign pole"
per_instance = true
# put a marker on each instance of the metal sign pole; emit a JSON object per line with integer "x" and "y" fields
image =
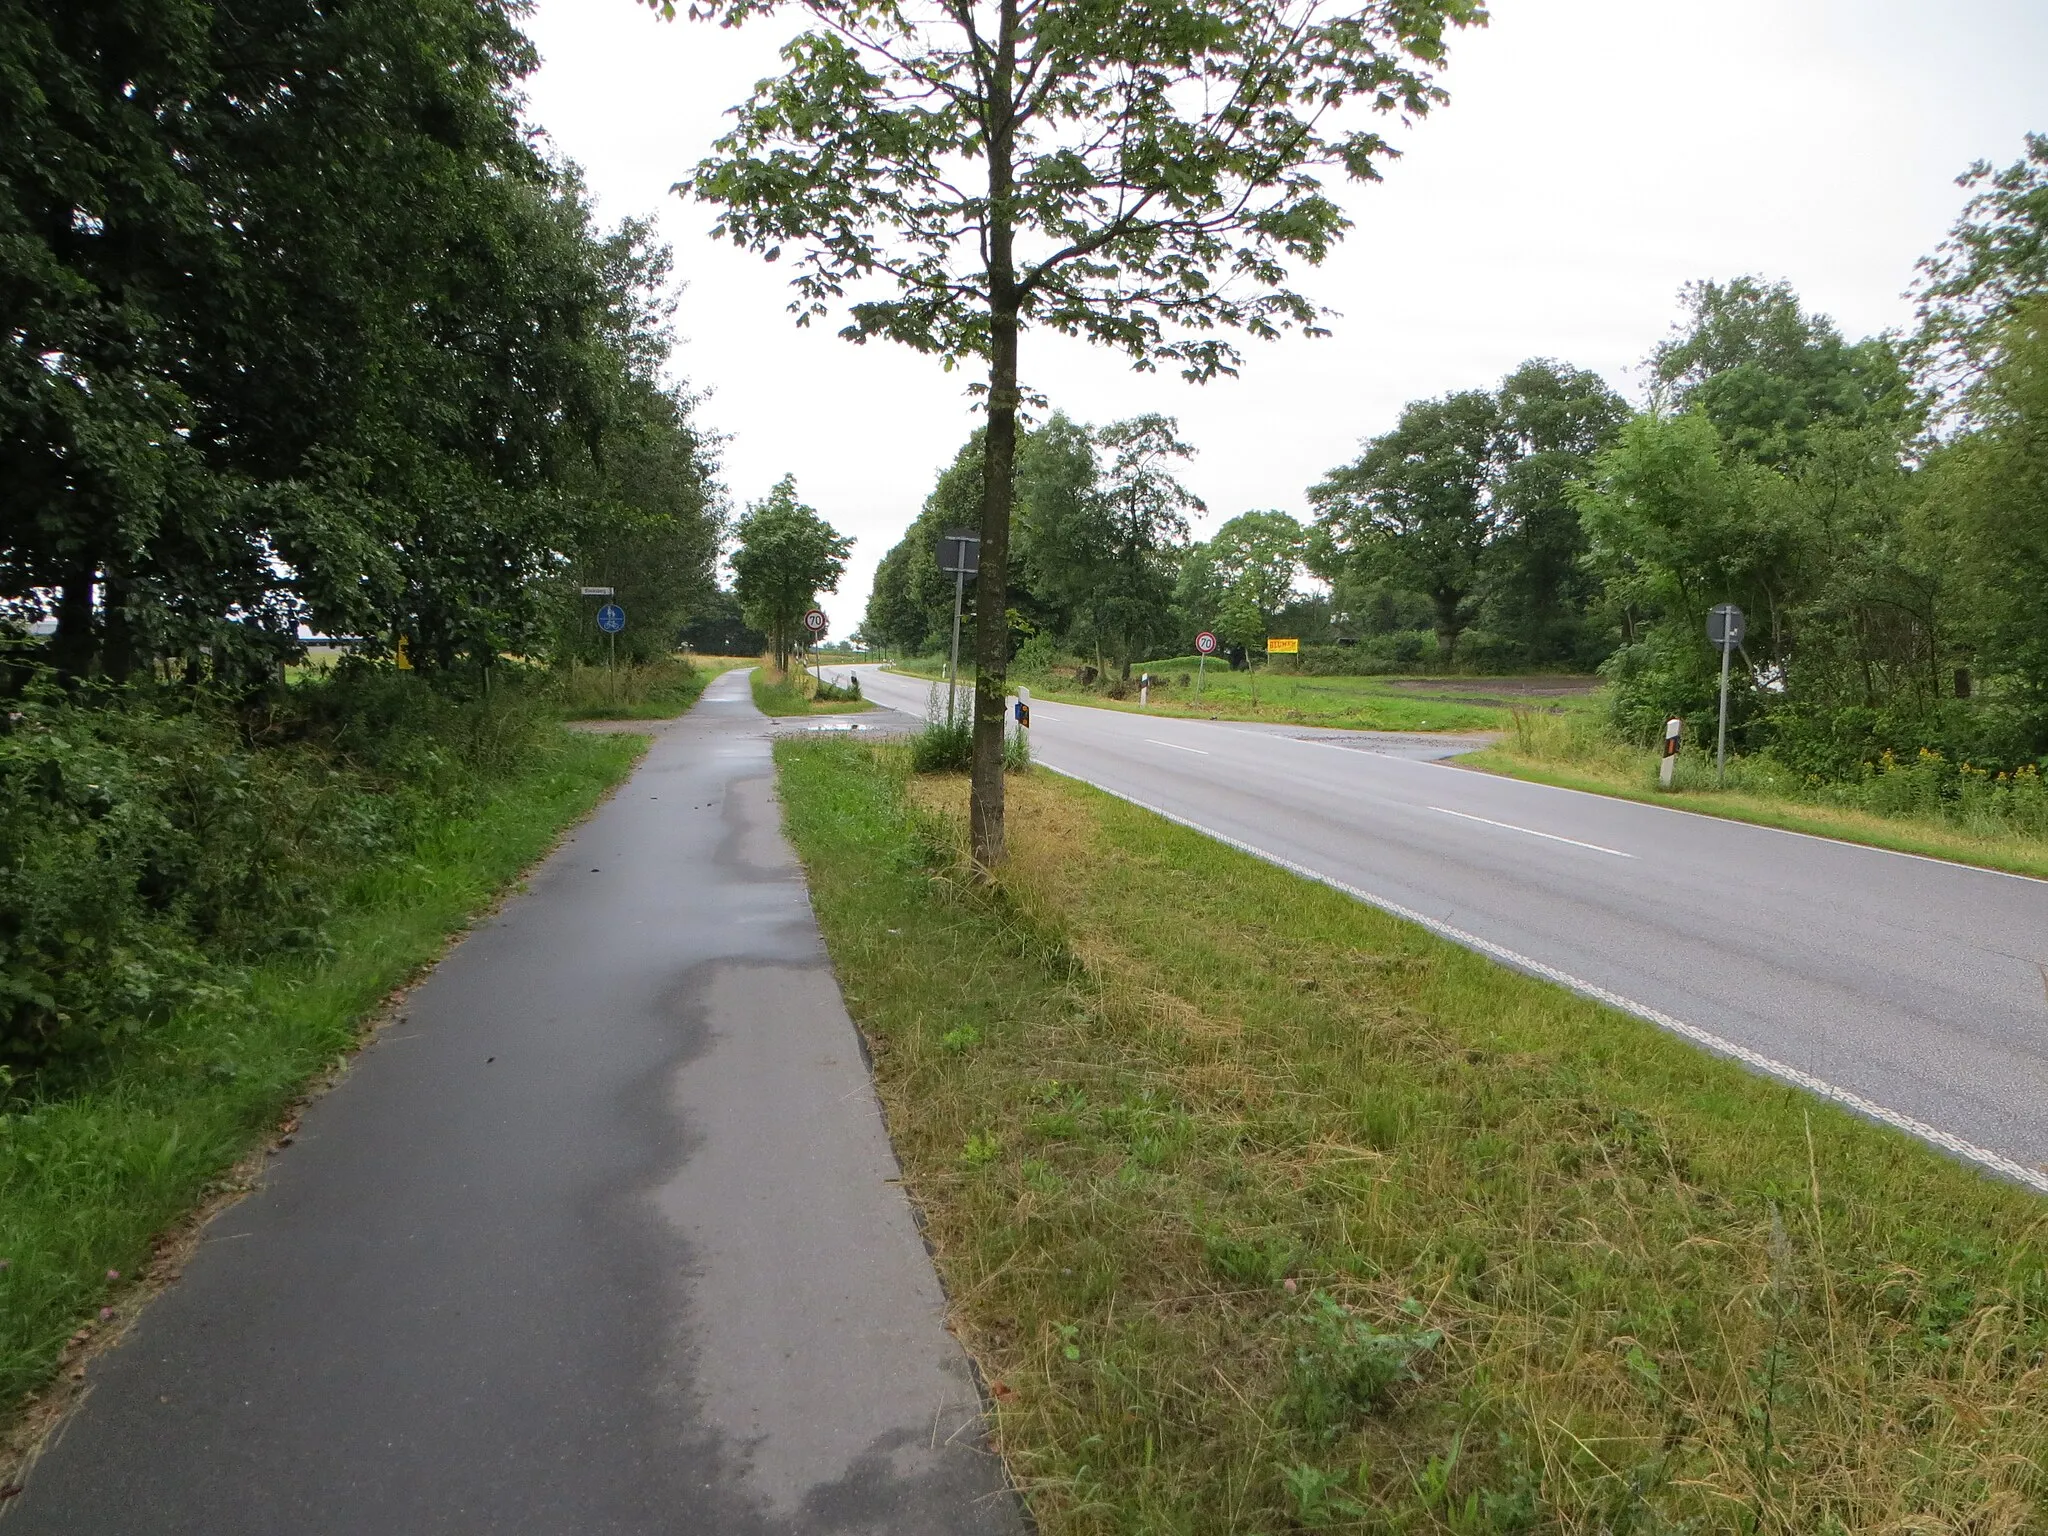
{"x": 1721, "y": 751}
{"x": 953, "y": 672}
{"x": 1201, "y": 671}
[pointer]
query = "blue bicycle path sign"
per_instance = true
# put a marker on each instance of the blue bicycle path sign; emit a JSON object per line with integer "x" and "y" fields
{"x": 611, "y": 618}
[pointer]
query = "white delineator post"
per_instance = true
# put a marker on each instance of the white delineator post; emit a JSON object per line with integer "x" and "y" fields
{"x": 1144, "y": 690}
{"x": 1672, "y": 729}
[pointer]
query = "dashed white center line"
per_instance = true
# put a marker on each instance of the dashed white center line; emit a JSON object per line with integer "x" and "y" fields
{"x": 1508, "y": 826}
{"x": 1199, "y": 752}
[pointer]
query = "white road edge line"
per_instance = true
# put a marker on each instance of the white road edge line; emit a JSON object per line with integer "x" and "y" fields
{"x": 1969, "y": 1151}
{"x": 1509, "y": 826}
{"x": 1198, "y": 751}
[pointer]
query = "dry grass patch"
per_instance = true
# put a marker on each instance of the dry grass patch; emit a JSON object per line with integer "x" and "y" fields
{"x": 1265, "y": 1211}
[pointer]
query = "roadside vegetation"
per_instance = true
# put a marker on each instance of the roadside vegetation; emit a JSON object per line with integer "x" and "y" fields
{"x": 1285, "y": 695}
{"x": 801, "y": 692}
{"x": 1877, "y": 507}
{"x": 643, "y": 690}
{"x": 1261, "y": 1210}
{"x": 1928, "y": 803}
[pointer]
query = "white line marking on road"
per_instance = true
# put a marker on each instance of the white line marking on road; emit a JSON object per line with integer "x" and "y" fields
{"x": 1969, "y": 1151}
{"x": 1198, "y": 751}
{"x": 1508, "y": 826}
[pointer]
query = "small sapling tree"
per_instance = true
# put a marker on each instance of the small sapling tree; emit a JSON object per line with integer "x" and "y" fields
{"x": 1137, "y": 174}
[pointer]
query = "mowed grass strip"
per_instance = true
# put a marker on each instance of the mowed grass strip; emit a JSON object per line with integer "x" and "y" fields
{"x": 791, "y": 693}
{"x": 1264, "y": 1211}
{"x": 90, "y": 1180}
{"x": 1434, "y": 704}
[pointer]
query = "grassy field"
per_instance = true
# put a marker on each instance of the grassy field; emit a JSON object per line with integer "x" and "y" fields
{"x": 1263, "y": 1211}
{"x": 93, "y": 1182}
{"x": 794, "y": 693}
{"x": 1575, "y": 754}
{"x": 1348, "y": 703}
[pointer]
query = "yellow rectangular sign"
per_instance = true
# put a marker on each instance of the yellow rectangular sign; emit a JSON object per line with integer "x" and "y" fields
{"x": 1283, "y": 647}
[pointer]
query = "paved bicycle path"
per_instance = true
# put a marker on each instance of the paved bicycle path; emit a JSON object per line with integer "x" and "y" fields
{"x": 602, "y": 1236}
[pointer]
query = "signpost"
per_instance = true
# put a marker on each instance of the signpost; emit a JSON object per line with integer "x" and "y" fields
{"x": 814, "y": 626}
{"x": 611, "y": 618}
{"x": 1205, "y": 647}
{"x": 959, "y": 558}
{"x": 1724, "y": 628}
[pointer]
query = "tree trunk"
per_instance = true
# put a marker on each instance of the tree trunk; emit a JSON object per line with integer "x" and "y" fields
{"x": 118, "y": 657}
{"x": 74, "y": 648}
{"x": 1447, "y": 627}
{"x": 999, "y": 464}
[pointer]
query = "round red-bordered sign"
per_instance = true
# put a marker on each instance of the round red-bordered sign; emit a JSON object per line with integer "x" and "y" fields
{"x": 814, "y": 621}
{"x": 1205, "y": 643}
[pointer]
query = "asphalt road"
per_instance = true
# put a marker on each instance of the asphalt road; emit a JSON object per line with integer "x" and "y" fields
{"x": 602, "y": 1236}
{"x": 1910, "y": 989}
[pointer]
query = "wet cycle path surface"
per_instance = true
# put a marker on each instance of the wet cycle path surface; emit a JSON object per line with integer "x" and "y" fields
{"x": 602, "y": 1236}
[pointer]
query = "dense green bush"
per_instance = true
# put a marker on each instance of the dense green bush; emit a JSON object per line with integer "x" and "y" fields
{"x": 151, "y": 841}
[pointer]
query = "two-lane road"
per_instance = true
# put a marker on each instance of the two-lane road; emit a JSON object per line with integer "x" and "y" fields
{"x": 1909, "y": 988}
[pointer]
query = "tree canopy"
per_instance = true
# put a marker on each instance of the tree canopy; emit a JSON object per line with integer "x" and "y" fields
{"x": 786, "y": 555}
{"x": 1139, "y": 179}
{"x": 304, "y": 329}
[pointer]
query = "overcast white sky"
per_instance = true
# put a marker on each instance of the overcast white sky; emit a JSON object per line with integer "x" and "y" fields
{"x": 1595, "y": 155}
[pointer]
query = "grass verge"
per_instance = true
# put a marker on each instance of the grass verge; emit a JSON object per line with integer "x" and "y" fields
{"x": 1264, "y": 1211}
{"x": 1339, "y": 703}
{"x": 790, "y": 693}
{"x": 657, "y": 690}
{"x": 1572, "y": 755}
{"x": 89, "y": 1182}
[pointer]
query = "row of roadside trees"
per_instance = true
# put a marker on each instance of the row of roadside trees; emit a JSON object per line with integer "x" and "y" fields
{"x": 1877, "y": 506}
{"x": 305, "y": 328}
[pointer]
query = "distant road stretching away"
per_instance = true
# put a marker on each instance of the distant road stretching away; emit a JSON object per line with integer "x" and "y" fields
{"x": 1910, "y": 989}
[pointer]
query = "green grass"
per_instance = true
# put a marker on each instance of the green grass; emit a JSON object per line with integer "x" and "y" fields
{"x": 1347, "y": 703}
{"x": 657, "y": 690}
{"x": 1263, "y": 1211}
{"x": 88, "y": 1181}
{"x": 1577, "y": 754}
{"x": 790, "y": 694}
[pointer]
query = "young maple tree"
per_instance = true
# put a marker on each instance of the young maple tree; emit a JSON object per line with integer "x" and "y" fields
{"x": 1136, "y": 172}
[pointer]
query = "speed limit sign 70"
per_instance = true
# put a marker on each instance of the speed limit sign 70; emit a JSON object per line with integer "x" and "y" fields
{"x": 1205, "y": 643}
{"x": 814, "y": 621}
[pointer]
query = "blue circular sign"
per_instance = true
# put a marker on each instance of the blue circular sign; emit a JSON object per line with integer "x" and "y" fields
{"x": 611, "y": 618}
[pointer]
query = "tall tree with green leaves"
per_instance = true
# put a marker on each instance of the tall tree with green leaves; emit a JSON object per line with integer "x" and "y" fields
{"x": 1765, "y": 370}
{"x": 1239, "y": 581}
{"x": 1554, "y": 419}
{"x": 1104, "y": 526}
{"x": 1971, "y": 290}
{"x": 1416, "y": 507}
{"x": 1985, "y": 525}
{"x": 1138, "y": 177}
{"x": 300, "y": 327}
{"x": 786, "y": 556}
